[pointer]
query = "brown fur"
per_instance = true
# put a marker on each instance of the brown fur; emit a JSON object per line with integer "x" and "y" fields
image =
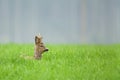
{"x": 39, "y": 47}
{"x": 38, "y": 50}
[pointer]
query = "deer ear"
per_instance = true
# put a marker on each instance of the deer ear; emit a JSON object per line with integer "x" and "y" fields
{"x": 36, "y": 38}
{"x": 40, "y": 36}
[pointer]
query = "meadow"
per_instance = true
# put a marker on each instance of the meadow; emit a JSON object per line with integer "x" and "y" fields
{"x": 61, "y": 62}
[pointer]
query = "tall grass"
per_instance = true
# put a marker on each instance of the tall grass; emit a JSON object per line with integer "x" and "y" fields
{"x": 61, "y": 62}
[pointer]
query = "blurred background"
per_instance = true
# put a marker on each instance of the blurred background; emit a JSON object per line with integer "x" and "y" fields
{"x": 60, "y": 21}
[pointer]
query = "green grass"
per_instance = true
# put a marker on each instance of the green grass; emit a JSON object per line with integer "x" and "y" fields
{"x": 61, "y": 62}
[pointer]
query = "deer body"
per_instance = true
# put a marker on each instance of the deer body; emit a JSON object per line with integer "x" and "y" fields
{"x": 39, "y": 47}
{"x": 38, "y": 50}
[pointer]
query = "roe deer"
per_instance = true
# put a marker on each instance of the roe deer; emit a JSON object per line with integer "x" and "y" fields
{"x": 38, "y": 50}
{"x": 39, "y": 47}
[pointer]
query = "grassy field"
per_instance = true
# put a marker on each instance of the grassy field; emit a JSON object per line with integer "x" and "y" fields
{"x": 61, "y": 62}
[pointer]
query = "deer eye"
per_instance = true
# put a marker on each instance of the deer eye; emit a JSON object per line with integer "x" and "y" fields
{"x": 41, "y": 43}
{"x": 41, "y": 46}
